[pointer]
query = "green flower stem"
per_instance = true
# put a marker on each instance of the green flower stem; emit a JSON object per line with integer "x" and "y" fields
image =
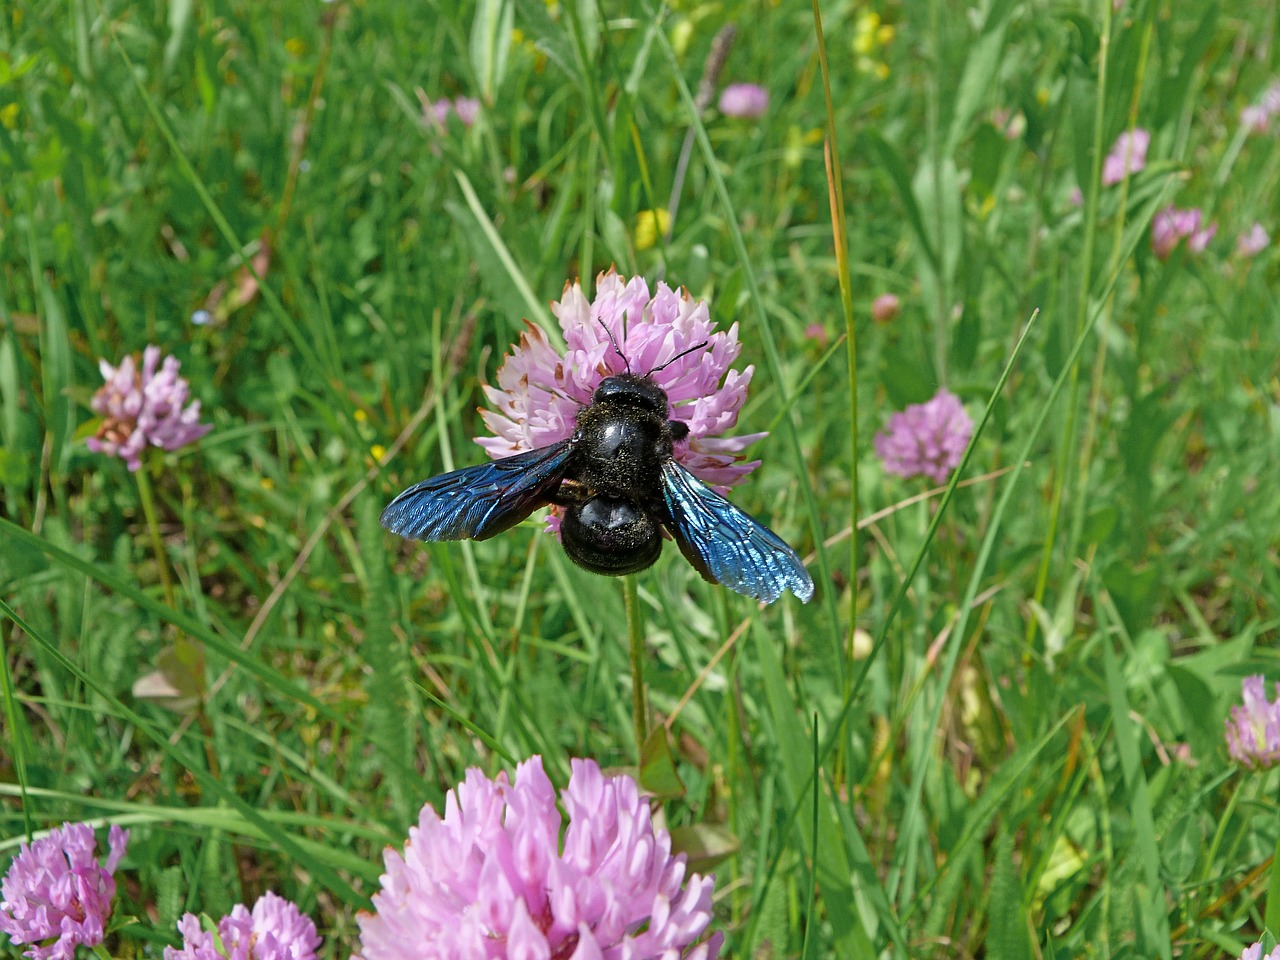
{"x": 1272, "y": 918}
{"x": 635, "y": 629}
{"x": 98, "y": 948}
{"x": 153, "y": 526}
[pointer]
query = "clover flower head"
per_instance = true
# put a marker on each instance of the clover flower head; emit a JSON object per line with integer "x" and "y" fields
{"x": 274, "y": 930}
{"x": 1127, "y": 156}
{"x": 466, "y": 109}
{"x": 926, "y": 438}
{"x": 748, "y": 101}
{"x": 56, "y": 895}
{"x": 540, "y": 392}
{"x": 1252, "y": 241}
{"x": 1253, "y": 729}
{"x": 885, "y": 307}
{"x": 142, "y": 408}
{"x": 492, "y": 879}
{"x": 1171, "y": 225}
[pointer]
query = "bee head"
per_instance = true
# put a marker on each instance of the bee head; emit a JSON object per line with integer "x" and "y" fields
{"x": 632, "y": 390}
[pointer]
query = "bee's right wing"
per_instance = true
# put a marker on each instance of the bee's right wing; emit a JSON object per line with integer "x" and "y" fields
{"x": 726, "y": 545}
{"x": 476, "y": 503}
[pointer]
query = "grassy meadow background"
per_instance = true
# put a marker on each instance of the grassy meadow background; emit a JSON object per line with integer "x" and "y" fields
{"x": 1022, "y": 757}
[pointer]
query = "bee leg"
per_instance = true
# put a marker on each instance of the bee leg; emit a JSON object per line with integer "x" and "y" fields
{"x": 571, "y": 492}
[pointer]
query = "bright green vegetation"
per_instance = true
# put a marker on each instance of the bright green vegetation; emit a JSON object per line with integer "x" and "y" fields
{"x": 1031, "y": 764}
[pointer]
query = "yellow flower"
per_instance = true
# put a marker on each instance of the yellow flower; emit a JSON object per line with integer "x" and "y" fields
{"x": 9, "y": 116}
{"x": 295, "y": 47}
{"x": 378, "y": 451}
{"x": 864, "y": 33}
{"x": 650, "y": 225}
{"x": 360, "y": 416}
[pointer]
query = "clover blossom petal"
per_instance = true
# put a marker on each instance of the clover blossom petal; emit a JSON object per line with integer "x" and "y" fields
{"x": 493, "y": 879}
{"x": 1252, "y": 241}
{"x": 275, "y": 929}
{"x": 56, "y": 895}
{"x": 1253, "y": 729}
{"x": 539, "y": 392}
{"x": 142, "y": 408}
{"x": 1171, "y": 225}
{"x": 926, "y": 438}
{"x": 1128, "y": 155}
{"x": 747, "y": 101}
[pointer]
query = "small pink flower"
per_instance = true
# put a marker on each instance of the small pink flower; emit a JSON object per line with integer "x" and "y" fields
{"x": 926, "y": 438}
{"x": 745, "y": 100}
{"x": 274, "y": 930}
{"x": 540, "y": 392}
{"x": 1252, "y": 241}
{"x": 1128, "y": 156}
{"x": 1076, "y": 197}
{"x": 1255, "y": 119}
{"x": 1254, "y": 952}
{"x": 467, "y": 109}
{"x": 147, "y": 408}
{"x": 1172, "y": 225}
{"x": 885, "y": 308}
{"x": 1253, "y": 730}
{"x": 817, "y": 333}
{"x": 498, "y": 877}
{"x": 57, "y": 895}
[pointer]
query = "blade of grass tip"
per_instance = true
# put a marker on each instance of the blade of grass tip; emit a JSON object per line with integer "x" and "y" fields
{"x": 466, "y": 723}
{"x": 538, "y": 312}
{"x": 1066, "y": 449}
{"x": 300, "y": 342}
{"x": 840, "y": 235}
{"x": 772, "y": 357}
{"x": 211, "y": 785}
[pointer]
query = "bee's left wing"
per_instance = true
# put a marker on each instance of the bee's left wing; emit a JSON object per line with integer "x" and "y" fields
{"x": 476, "y": 503}
{"x": 725, "y": 545}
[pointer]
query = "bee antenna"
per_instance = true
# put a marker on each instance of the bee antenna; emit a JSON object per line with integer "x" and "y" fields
{"x": 682, "y": 353}
{"x": 616, "y": 349}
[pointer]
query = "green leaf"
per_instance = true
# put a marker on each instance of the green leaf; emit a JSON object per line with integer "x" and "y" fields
{"x": 705, "y": 844}
{"x": 490, "y": 44}
{"x": 658, "y": 775}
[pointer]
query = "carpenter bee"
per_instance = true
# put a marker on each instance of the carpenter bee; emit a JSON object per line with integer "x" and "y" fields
{"x": 619, "y": 484}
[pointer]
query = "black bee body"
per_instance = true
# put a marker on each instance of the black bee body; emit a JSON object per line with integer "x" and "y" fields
{"x": 619, "y": 484}
{"x": 612, "y": 489}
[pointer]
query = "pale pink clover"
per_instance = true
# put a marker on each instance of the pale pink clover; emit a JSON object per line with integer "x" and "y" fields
{"x": 1253, "y": 729}
{"x": 1127, "y": 156}
{"x": 274, "y": 930}
{"x": 1253, "y": 241}
{"x": 492, "y": 879}
{"x": 1171, "y": 225}
{"x": 56, "y": 895}
{"x": 747, "y": 101}
{"x": 926, "y": 439}
{"x": 144, "y": 408}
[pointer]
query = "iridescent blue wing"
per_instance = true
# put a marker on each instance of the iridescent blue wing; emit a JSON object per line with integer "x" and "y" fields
{"x": 476, "y": 503}
{"x": 725, "y": 545}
